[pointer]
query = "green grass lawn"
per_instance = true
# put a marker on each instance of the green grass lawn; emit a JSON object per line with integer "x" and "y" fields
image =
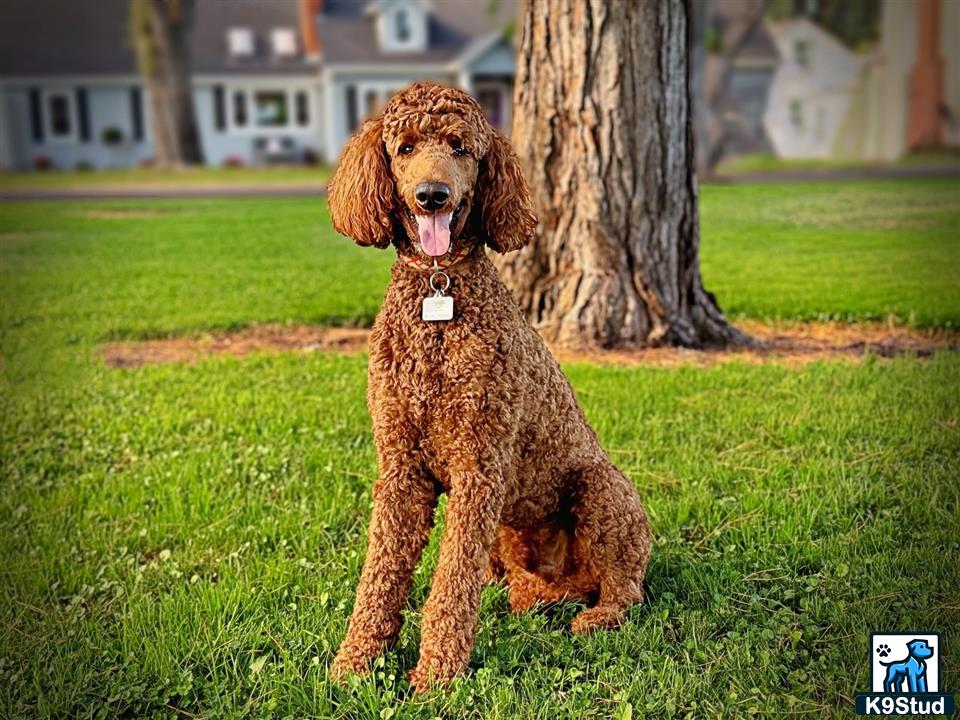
{"x": 154, "y": 177}
{"x": 185, "y": 540}
{"x": 847, "y": 251}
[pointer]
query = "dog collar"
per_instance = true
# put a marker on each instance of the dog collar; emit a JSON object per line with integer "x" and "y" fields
{"x": 420, "y": 263}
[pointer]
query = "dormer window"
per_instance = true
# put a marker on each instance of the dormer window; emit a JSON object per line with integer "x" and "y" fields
{"x": 284, "y": 42}
{"x": 402, "y": 24}
{"x": 240, "y": 42}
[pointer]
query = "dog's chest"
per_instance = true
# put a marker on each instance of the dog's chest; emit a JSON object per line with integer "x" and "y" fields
{"x": 441, "y": 374}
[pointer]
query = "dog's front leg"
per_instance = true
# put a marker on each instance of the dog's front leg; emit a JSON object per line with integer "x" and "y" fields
{"x": 404, "y": 499}
{"x": 913, "y": 679}
{"x": 450, "y": 614}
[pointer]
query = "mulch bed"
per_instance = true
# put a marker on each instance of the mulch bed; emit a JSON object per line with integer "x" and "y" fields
{"x": 795, "y": 343}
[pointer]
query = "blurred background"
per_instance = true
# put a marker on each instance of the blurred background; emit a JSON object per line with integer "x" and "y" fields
{"x": 777, "y": 84}
{"x": 186, "y": 459}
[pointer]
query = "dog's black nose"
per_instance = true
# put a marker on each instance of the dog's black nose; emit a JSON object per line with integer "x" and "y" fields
{"x": 432, "y": 195}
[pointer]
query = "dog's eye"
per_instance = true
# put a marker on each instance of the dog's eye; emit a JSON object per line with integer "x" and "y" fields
{"x": 405, "y": 149}
{"x": 460, "y": 150}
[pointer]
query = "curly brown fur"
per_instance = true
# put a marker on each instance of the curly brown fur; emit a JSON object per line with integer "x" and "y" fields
{"x": 475, "y": 407}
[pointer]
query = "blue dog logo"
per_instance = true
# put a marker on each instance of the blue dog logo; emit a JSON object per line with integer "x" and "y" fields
{"x": 905, "y": 676}
{"x": 912, "y": 670}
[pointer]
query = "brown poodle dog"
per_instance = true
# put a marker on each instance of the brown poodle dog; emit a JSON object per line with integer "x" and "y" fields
{"x": 474, "y": 406}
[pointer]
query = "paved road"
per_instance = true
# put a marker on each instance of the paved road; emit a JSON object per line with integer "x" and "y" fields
{"x": 145, "y": 192}
{"x": 894, "y": 172}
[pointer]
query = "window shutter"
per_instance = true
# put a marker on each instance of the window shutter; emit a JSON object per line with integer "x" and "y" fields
{"x": 219, "y": 108}
{"x": 303, "y": 108}
{"x": 36, "y": 116}
{"x": 136, "y": 113}
{"x": 239, "y": 108}
{"x": 352, "y": 120}
{"x": 83, "y": 114}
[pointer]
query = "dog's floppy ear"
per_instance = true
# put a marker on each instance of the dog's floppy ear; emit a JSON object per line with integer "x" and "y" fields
{"x": 506, "y": 208}
{"x": 360, "y": 194}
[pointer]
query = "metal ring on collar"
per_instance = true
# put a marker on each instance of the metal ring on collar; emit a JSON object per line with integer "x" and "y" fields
{"x": 446, "y": 283}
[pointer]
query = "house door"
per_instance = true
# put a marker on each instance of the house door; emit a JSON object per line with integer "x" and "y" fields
{"x": 490, "y": 98}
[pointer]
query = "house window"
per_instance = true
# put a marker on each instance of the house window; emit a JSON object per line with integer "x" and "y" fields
{"x": 371, "y": 102}
{"x": 284, "y": 42}
{"x": 240, "y": 42}
{"x": 796, "y": 114}
{"x": 402, "y": 20}
{"x": 270, "y": 108}
{"x": 801, "y": 53}
{"x": 60, "y": 121}
{"x": 239, "y": 108}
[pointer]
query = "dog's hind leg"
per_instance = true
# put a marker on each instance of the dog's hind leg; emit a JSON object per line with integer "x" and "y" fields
{"x": 612, "y": 540}
{"x": 892, "y": 682}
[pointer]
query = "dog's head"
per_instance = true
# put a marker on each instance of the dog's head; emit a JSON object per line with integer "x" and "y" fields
{"x": 431, "y": 175}
{"x": 920, "y": 649}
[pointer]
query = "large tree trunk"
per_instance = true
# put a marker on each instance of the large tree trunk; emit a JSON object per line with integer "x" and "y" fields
{"x": 160, "y": 31}
{"x": 603, "y": 127}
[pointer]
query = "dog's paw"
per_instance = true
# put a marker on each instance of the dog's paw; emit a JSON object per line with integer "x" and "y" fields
{"x": 883, "y": 650}
{"x": 349, "y": 662}
{"x": 433, "y": 673}
{"x": 597, "y": 618}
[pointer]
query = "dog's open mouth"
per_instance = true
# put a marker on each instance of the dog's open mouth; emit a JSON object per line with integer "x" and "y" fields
{"x": 434, "y": 230}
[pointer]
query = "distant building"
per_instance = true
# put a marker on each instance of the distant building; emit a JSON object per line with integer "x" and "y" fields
{"x": 741, "y": 108}
{"x": 828, "y": 102}
{"x": 274, "y": 80}
{"x": 370, "y": 50}
{"x": 811, "y": 90}
{"x": 908, "y": 95}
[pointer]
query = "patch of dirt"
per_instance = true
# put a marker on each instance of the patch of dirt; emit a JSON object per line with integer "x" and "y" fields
{"x": 21, "y": 236}
{"x": 256, "y": 338}
{"x": 792, "y": 344}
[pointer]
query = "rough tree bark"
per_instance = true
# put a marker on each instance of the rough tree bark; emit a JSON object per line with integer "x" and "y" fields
{"x": 160, "y": 30}
{"x": 603, "y": 127}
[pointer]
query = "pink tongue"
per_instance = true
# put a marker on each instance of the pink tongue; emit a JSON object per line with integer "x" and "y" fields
{"x": 434, "y": 233}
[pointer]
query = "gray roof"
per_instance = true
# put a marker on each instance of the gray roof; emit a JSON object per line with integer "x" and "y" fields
{"x": 347, "y": 33}
{"x": 91, "y": 37}
{"x": 64, "y": 37}
{"x": 209, "y": 41}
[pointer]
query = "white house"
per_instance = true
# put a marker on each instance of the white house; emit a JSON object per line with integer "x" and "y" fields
{"x": 369, "y": 50}
{"x": 877, "y": 127}
{"x": 811, "y": 90}
{"x": 274, "y": 80}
